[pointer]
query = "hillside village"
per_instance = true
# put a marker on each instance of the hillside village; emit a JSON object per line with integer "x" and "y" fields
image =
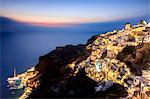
{"x": 118, "y": 57}
{"x": 104, "y": 65}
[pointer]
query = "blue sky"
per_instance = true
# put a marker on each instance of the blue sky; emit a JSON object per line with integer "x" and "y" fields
{"x": 73, "y": 11}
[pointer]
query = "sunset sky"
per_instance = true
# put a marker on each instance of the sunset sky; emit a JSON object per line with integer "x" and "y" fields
{"x": 73, "y": 11}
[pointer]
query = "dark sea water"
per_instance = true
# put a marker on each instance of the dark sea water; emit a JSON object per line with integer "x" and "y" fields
{"x": 22, "y": 44}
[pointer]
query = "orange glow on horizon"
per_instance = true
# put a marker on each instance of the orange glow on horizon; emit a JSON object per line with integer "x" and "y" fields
{"x": 58, "y": 21}
{"x": 52, "y": 20}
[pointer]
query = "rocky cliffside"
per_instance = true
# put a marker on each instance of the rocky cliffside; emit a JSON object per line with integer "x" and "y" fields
{"x": 110, "y": 65}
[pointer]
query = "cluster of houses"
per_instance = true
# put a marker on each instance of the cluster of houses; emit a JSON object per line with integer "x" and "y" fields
{"x": 23, "y": 81}
{"x": 103, "y": 67}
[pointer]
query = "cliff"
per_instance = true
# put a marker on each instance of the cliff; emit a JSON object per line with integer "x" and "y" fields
{"x": 112, "y": 65}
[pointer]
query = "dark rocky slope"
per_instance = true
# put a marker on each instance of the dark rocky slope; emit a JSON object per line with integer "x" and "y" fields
{"x": 56, "y": 81}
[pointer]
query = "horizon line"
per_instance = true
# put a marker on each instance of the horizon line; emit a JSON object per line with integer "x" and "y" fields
{"x": 66, "y": 23}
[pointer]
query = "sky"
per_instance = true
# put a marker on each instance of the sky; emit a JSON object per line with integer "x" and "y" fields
{"x": 73, "y": 11}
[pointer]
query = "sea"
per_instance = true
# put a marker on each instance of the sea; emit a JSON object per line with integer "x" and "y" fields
{"x": 22, "y": 44}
